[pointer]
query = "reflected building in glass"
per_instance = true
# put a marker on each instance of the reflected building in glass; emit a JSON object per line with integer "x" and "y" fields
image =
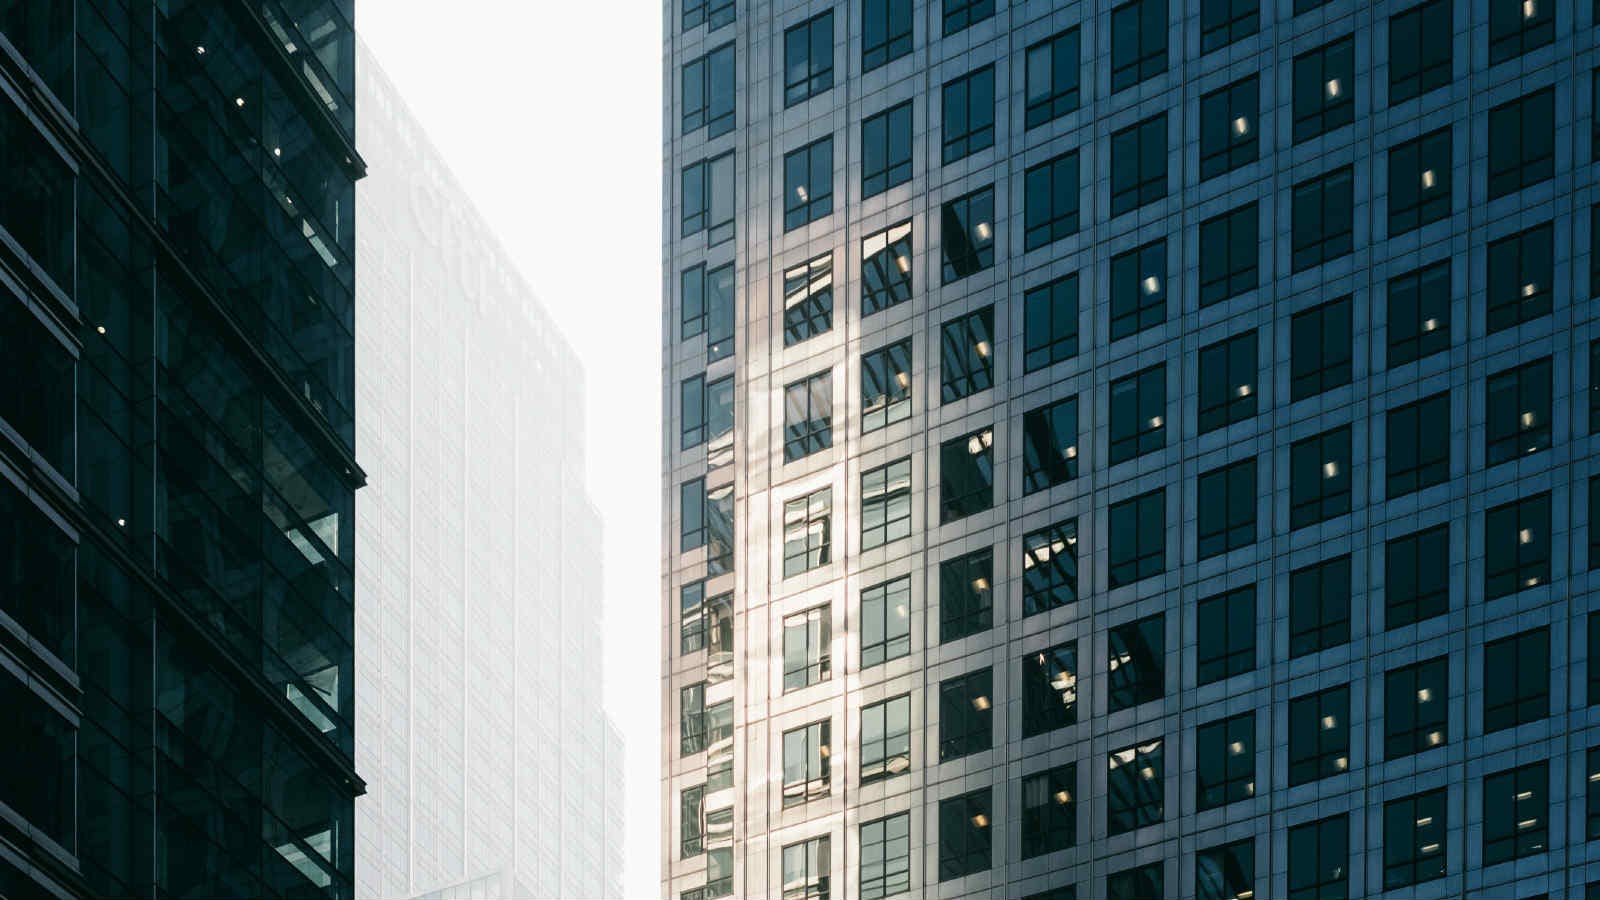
{"x": 1130, "y": 449}
{"x": 492, "y": 769}
{"x": 177, "y": 448}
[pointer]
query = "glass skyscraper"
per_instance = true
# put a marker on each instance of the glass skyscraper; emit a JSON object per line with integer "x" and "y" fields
{"x": 177, "y": 462}
{"x": 1131, "y": 449}
{"x": 492, "y": 768}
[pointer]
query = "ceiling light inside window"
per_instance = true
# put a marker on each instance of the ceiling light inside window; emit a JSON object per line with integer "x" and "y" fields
{"x": 1071, "y": 452}
{"x": 1424, "y": 695}
{"x": 1330, "y": 469}
{"x": 1527, "y": 420}
{"x": 983, "y": 231}
{"x": 1241, "y": 126}
{"x": 1243, "y": 390}
{"x": 200, "y": 50}
{"x": 1151, "y": 284}
{"x": 983, "y": 349}
{"x": 100, "y": 328}
{"x": 1155, "y": 422}
{"x": 1528, "y": 9}
{"x": 1525, "y": 536}
{"x": 1063, "y": 797}
{"x": 1328, "y": 722}
{"x": 904, "y": 264}
{"x": 1529, "y": 289}
{"x": 980, "y": 820}
{"x": 1430, "y": 325}
{"x": 1333, "y": 87}
{"x": 1428, "y": 179}
{"x": 238, "y": 101}
{"x": 980, "y": 703}
{"x": 800, "y": 191}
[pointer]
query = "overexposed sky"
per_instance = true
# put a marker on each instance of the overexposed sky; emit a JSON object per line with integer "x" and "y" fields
{"x": 549, "y": 114}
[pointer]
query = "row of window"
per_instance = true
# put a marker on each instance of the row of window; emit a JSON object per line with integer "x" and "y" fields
{"x": 1515, "y": 820}
{"x": 1420, "y": 56}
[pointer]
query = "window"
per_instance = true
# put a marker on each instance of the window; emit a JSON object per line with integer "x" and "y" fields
{"x": 707, "y": 299}
{"x": 1516, "y": 546}
{"x": 1521, "y": 273}
{"x": 1320, "y": 349}
{"x": 1135, "y": 793}
{"x": 1517, "y": 27}
{"x": 1319, "y": 735}
{"x": 708, "y": 199}
{"x": 1226, "y": 872}
{"x": 959, "y": 14}
{"x": 886, "y": 504}
{"x": 1415, "y": 839}
{"x": 692, "y": 823}
{"x": 1228, "y": 382}
{"x": 1139, "y": 164}
{"x": 1049, "y": 445}
{"x": 1594, "y": 382}
{"x": 1229, "y": 256}
{"x": 886, "y": 386}
{"x": 968, "y": 114}
{"x": 886, "y": 150}
{"x": 808, "y": 300}
{"x": 1136, "y": 884}
{"x": 1224, "y": 21}
{"x": 806, "y": 868}
{"x": 1138, "y": 538}
{"x": 1225, "y": 756}
{"x": 886, "y": 268}
{"x": 808, "y": 59}
{"x": 1227, "y": 635}
{"x": 1417, "y": 577}
{"x": 806, "y": 756}
{"x": 1049, "y": 815}
{"x": 1138, "y": 670}
{"x": 1418, "y": 445}
{"x": 1516, "y": 813}
{"x": 1066, "y": 892}
{"x": 1419, "y": 313}
{"x": 1050, "y": 201}
{"x": 1519, "y": 692}
{"x": 715, "y": 13}
{"x": 692, "y": 510}
{"x": 808, "y": 184}
{"x": 719, "y": 874}
{"x": 1323, "y": 219}
{"x": 1592, "y": 801}
{"x": 1319, "y": 860}
{"x": 1229, "y": 127}
{"x": 807, "y": 532}
{"x": 886, "y": 849}
{"x": 1419, "y": 50}
{"x": 966, "y": 358}
{"x": 1319, "y": 606}
{"x": 968, "y": 224}
{"x": 886, "y": 739}
{"x": 1053, "y": 77}
{"x": 1138, "y": 42}
{"x": 966, "y": 595}
{"x": 966, "y": 475}
{"x": 707, "y": 410}
{"x": 691, "y": 618}
{"x": 1324, "y": 88}
{"x": 1050, "y": 323}
{"x": 1594, "y": 528}
{"x": 965, "y": 846}
{"x": 1319, "y": 478}
{"x": 707, "y": 522}
{"x": 885, "y": 622}
{"x": 885, "y": 34}
{"x": 1138, "y": 289}
{"x": 1522, "y": 142}
{"x": 1138, "y": 414}
{"x": 692, "y": 719}
{"x": 808, "y": 416}
{"x": 807, "y": 648}
{"x": 1416, "y": 708}
{"x": 1594, "y": 658}
{"x": 1050, "y": 689}
{"x": 966, "y": 722}
{"x": 708, "y": 92}
{"x": 1227, "y": 508}
{"x": 1050, "y": 567}
{"x": 1419, "y": 182}
{"x": 1517, "y": 421}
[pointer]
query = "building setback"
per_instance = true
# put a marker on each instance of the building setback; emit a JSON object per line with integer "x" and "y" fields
{"x": 492, "y": 768}
{"x": 1136, "y": 449}
{"x": 177, "y": 462}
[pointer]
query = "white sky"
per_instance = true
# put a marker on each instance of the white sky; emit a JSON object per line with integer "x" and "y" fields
{"x": 549, "y": 113}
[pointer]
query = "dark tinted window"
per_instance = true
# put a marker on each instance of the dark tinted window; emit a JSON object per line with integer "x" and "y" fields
{"x": 709, "y": 91}
{"x": 968, "y": 224}
{"x": 1138, "y": 42}
{"x": 1414, "y": 831}
{"x": 1225, "y": 755}
{"x": 1319, "y": 477}
{"x": 1517, "y": 26}
{"x": 1050, "y": 689}
{"x": 807, "y": 300}
{"x": 1138, "y": 289}
{"x": 1419, "y": 313}
{"x": 886, "y": 386}
{"x": 1319, "y": 735}
{"x": 1320, "y": 346}
{"x": 1053, "y": 77}
{"x": 886, "y": 268}
{"x": 966, "y": 722}
{"x": 1319, "y": 606}
{"x": 1416, "y": 582}
{"x": 1050, "y": 201}
{"x": 885, "y": 32}
{"x": 1138, "y": 671}
{"x": 1419, "y": 50}
{"x": 965, "y": 843}
{"x": 1049, "y": 445}
{"x": 1319, "y": 860}
{"x": 1228, "y": 372}
{"x": 1417, "y": 442}
{"x": 886, "y": 738}
{"x": 1324, "y": 89}
{"x": 1138, "y": 414}
{"x": 1416, "y": 705}
{"x": 808, "y": 59}
{"x": 1050, "y": 323}
{"x": 1136, "y": 884}
{"x": 1226, "y": 627}
{"x": 1516, "y": 545}
{"x": 886, "y": 150}
{"x": 1521, "y": 275}
{"x": 968, "y": 114}
{"x": 1049, "y": 813}
{"x": 1139, "y": 164}
{"x": 1138, "y": 538}
{"x": 1224, "y": 21}
{"x": 1226, "y": 872}
{"x": 715, "y": 13}
{"x": 1419, "y": 182}
{"x": 1517, "y": 417}
{"x": 1516, "y": 813}
{"x": 1229, "y": 255}
{"x": 966, "y": 595}
{"x": 1229, "y": 130}
{"x": 808, "y": 184}
{"x": 1522, "y": 141}
{"x": 959, "y": 14}
{"x": 966, "y": 355}
{"x": 1519, "y": 691}
{"x": 1136, "y": 792}
{"x": 966, "y": 475}
{"x": 1227, "y": 508}
{"x": 1050, "y": 567}
{"x": 1323, "y": 219}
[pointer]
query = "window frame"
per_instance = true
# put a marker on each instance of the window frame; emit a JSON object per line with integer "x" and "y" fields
{"x": 1057, "y": 541}
{"x": 896, "y": 639}
{"x": 963, "y": 733}
{"x": 812, "y": 398}
{"x": 1045, "y": 463}
{"x": 1236, "y": 640}
{"x": 810, "y": 37}
{"x": 1427, "y": 292}
{"x": 808, "y": 299}
{"x": 1312, "y": 456}
{"x": 1533, "y": 533}
{"x": 1325, "y": 205}
{"x": 1050, "y": 201}
{"x": 1149, "y": 173}
{"x": 886, "y": 503}
{"x": 1239, "y": 276}
{"x": 801, "y": 204}
{"x": 961, "y": 254}
{"x": 886, "y": 387}
{"x": 1404, "y": 560}
{"x": 879, "y": 280}
{"x": 962, "y": 134}
{"x": 1324, "y": 66}
{"x": 1149, "y": 50}
{"x": 807, "y": 647}
{"x": 1146, "y": 562}
{"x": 1507, "y": 700}
{"x": 886, "y": 137}
{"x": 1049, "y": 689}
{"x": 1229, "y": 746}
{"x": 1129, "y": 809}
{"x": 1408, "y": 728}
{"x": 974, "y": 613}
{"x": 1320, "y": 599}
{"x": 1224, "y": 147}
{"x": 1519, "y": 407}
{"x": 801, "y": 520}
{"x": 954, "y": 505}
{"x": 1237, "y": 528}
{"x": 1415, "y": 66}
{"x": 1044, "y": 307}
{"x": 1052, "y": 102}
{"x": 1138, "y": 289}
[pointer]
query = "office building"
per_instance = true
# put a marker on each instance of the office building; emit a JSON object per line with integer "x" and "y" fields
{"x": 1131, "y": 449}
{"x": 177, "y": 466}
{"x": 492, "y": 769}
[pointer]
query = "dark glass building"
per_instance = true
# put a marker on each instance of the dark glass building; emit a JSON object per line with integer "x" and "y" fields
{"x": 1131, "y": 448}
{"x": 176, "y": 447}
